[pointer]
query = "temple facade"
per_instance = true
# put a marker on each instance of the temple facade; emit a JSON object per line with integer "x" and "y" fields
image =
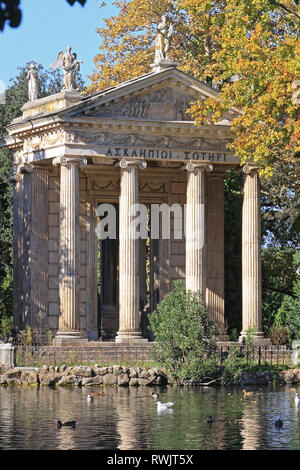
{"x": 129, "y": 144}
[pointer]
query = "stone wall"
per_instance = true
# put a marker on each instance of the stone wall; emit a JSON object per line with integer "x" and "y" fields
{"x": 118, "y": 375}
{"x": 83, "y": 376}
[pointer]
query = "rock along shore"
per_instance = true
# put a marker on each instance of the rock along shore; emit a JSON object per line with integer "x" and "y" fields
{"x": 122, "y": 376}
{"x": 83, "y": 376}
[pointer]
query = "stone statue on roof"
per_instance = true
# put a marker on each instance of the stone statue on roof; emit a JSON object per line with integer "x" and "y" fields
{"x": 162, "y": 41}
{"x": 33, "y": 82}
{"x": 70, "y": 65}
{"x": 296, "y": 93}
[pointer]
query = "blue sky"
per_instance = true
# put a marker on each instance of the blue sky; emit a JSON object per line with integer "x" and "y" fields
{"x": 49, "y": 26}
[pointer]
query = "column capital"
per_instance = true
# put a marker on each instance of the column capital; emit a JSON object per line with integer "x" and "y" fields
{"x": 25, "y": 168}
{"x": 125, "y": 163}
{"x": 249, "y": 167}
{"x": 16, "y": 177}
{"x": 68, "y": 161}
{"x": 196, "y": 165}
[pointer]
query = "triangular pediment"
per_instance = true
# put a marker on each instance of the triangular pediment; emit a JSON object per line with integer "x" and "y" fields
{"x": 164, "y": 103}
{"x": 162, "y": 96}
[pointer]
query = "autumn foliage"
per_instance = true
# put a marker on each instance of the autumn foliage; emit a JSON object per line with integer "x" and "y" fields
{"x": 249, "y": 49}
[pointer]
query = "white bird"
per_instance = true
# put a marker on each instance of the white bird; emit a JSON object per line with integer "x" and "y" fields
{"x": 297, "y": 399}
{"x": 164, "y": 406}
{"x": 90, "y": 398}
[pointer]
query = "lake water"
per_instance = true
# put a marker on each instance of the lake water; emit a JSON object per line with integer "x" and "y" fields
{"x": 127, "y": 419}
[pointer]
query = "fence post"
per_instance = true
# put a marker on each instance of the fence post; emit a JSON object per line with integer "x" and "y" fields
{"x": 7, "y": 355}
{"x": 259, "y": 355}
{"x": 271, "y": 354}
{"x": 221, "y": 355}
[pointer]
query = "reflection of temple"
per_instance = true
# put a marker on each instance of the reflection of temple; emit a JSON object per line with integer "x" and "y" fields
{"x": 252, "y": 428}
{"x": 128, "y": 144}
{"x": 131, "y": 427}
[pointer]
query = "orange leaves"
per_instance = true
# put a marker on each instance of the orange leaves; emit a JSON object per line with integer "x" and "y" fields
{"x": 251, "y": 47}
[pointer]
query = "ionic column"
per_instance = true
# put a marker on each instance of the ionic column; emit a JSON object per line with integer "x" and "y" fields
{"x": 69, "y": 282}
{"x": 20, "y": 251}
{"x": 195, "y": 226}
{"x": 251, "y": 253}
{"x": 38, "y": 251}
{"x": 129, "y": 322}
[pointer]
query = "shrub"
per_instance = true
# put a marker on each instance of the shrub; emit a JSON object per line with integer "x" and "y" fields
{"x": 288, "y": 315}
{"x": 185, "y": 337}
{"x": 279, "y": 335}
{"x": 6, "y": 328}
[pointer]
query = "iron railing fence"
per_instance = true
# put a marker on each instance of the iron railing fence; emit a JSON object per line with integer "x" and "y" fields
{"x": 260, "y": 355}
{"x": 37, "y": 356}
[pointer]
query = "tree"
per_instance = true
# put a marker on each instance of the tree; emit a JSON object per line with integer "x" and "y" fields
{"x": 127, "y": 40}
{"x": 250, "y": 48}
{"x": 185, "y": 338}
{"x": 278, "y": 278}
{"x": 257, "y": 61}
{"x": 10, "y": 11}
{"x": 280, "y": 202}
{"x": 288, "y": 315}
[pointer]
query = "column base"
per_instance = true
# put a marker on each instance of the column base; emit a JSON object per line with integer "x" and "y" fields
{"x": 70, "y": 337}
{"x": 130, "y": 337}
{"x": 258, "y": 340}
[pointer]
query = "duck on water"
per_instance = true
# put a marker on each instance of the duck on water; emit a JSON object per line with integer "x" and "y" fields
{"x": 70, "y": 424}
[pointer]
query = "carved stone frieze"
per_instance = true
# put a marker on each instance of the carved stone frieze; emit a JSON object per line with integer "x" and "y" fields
{"x": 136, "y": 140}
{"x": 153, "y": 187}
{"x": 38, "y": 142}
{"x": 166, "y": 104}
{"x": 111, "y": 185}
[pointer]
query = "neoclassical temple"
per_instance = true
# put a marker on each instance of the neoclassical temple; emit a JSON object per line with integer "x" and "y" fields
{"x": 129, "y": 143}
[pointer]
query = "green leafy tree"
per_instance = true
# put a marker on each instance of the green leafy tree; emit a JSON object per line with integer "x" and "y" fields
{"x": 280, "y": 203}
{"x": 288, "y": 315}
{"x": 185, "y": 337}
{"x": 278, "y": 278}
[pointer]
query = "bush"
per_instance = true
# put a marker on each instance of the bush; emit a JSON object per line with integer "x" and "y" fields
{"x": 288, "y": 315}
{"x": 234, "y": 365}
{"x": 279, "y": 335}
{"x": 185, "y": 337}
{"x": 6, "y": 328}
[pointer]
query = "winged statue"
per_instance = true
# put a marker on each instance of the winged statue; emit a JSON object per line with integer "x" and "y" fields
{"x": 70, "y": 65}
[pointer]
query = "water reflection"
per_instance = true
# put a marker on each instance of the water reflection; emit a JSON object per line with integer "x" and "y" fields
{"x": 127, "y": 418}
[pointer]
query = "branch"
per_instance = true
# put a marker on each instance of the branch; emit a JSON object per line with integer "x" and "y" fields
{"x": 205, "y": 384}
{"x": 281, "y": 291}
{"x": 280, "y": 5}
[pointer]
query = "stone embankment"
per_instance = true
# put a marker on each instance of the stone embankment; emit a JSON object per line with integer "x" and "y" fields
{"x": 289, "y": 376}
{"x": 83, "y": 376}
{"x": 123, "y": 376}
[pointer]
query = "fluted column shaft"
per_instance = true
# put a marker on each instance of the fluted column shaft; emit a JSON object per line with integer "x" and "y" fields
{"x": 38, "y": 253}
{"x": 69, "y": 285}
{"x": 251, "y": 252}
{"x": 195, "y": 227}
{"x": 129, "y": 322}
